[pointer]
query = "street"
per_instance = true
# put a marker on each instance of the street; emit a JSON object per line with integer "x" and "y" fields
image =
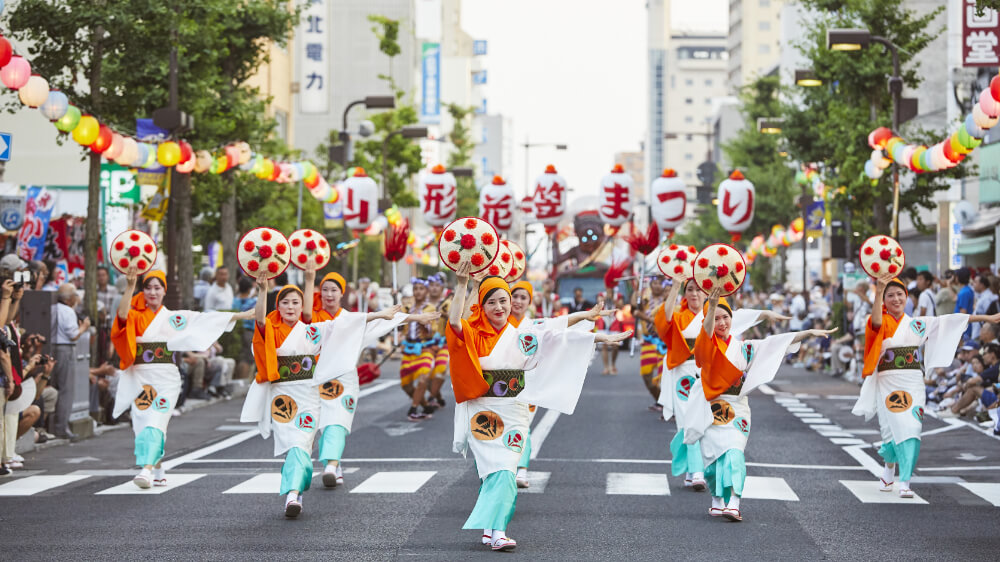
{"x": 599, "y": 488}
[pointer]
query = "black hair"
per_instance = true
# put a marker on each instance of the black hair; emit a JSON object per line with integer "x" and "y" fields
{"x": 963, "y": 276}
{"x": 244, "y": 284}
{"x": 281, "y": 280}
{"x": 909, "y": 273}
{"x": 284, "y": 291}
{"x": 897, "y": 283}
{"x": 926, "y": 276}
{"x": 994, "y": 349}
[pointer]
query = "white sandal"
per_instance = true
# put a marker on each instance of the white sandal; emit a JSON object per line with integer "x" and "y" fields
{"x": 504, "y": 544}
{"x": 487, "y": 539}
{"x": 905, "y": 493}
{"x": 143, "y": 480}
{"x": 293, "y": 508}
{"x": 886, "y": 486}
{"x": 732, "y": 514}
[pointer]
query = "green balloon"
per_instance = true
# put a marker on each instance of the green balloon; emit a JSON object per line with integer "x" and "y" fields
{"x": 924, "y": 164}
{"x": 69, "y": 120}
{"x": 964, "y": 138}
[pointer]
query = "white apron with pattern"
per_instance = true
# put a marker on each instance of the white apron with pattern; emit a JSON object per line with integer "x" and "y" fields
{"x": 151, "y": 390}
{"x": 341, "y": 341}
{"x": 555, "y": 362}
{"x": 898, "y": 396}
{"x": 724, "y": 423}
{"x": 290, "y": 410}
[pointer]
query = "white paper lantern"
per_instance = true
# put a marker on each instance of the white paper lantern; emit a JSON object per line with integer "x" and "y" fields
{"x": 497, "y": 204}
{"x": 130, "y": 150}
{"x": 879, "y": 159}
{"x": 736, "y": 204}
{"x": 34, "y": 92}
{"x": 616, "y": 196}
{"x": 438, "y": 194}
{"x": 548, "y": 200}
{"x": 982, "y": 120}
{"x": 360, "y": 197}
{"x": 669, "y": 201}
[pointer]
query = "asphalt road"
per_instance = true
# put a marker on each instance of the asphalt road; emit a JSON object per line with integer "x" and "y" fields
{"x": 600, "y": 489}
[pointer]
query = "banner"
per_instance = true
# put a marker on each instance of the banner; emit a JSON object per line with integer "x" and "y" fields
{"x": 333, "y": 215}
{"x": 980, "y": 36}
{"x": 156, "y": 207}
{"x": 119, "y": 185}
{"x": 815, "y": 214}
{"x": 314, "y": 86}
{"x": 56, "y": 245}
{"x": 38, "y": 205}
{"x": 76, "y": 240}
{"x": 11, "y": 211}
{"x": 430, "y": 93}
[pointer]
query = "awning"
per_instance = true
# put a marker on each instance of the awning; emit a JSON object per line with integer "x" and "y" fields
{"x": 978, "y": 245}
{"x": 985, "y": 221}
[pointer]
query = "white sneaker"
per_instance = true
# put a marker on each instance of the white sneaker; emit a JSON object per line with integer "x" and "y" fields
{"x": 293, "y": 507}
{"x": 144, "y": 479}
{"x": 15, "y": 464}
{"x": 18, "y": 458}
{"x": 504, "y": 544}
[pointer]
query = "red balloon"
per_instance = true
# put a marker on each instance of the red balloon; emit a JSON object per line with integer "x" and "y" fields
{"x": 104, "y": 138}
{"x": 6, "y": 51}
{"x": 950, "y": 153}
{"x": 994, "y": 86}
{"x": 186, "y": 151}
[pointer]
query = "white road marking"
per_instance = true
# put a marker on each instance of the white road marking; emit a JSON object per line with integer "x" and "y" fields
{"x": 633, "y": 484}
{"x": 34, "y": 484}
{"x": 377, "y": 388}
{"x": 807, "y": 414}
{"x": 767, "y": 488}
{"x": 261, "y": 484}
{"x": 952, "y": 424}
{"x": 989, "y": 492}
{"x": 174, "y": 481}
{"x": 765, "y": 389}
{"x": 863, "y": 431}
{"x": 537, "y": 481}
{"x": 847, "y": 441}
{"x": 803, "y": 409}
{"x": 103, "y": 472}
{"x": 868, "y": 492}
{"x": 957, "y": 468}
{"x": 394, "y": 482}
{"x": 239, "y": 427}
{"x": 864, "y": 459}
{"x": 213, "y": 448}
{"x": 541, "y": 431}
{"x": 812, "y": 421}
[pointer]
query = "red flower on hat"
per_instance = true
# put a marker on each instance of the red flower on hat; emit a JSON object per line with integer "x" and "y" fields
{"x": 869, "y": 251}
{"x": 265, "y": 235}
{"x": 134, "y": 237}
{"x": 729, "y": 287}
{"x": 703, "y": 263}
{"x": 885, "y": 254}
{"x": 307, "y": 234}
{"x": 454, "y": 257}
{"x": 141, "y": 264}
{"x": 692, "y": 249}
{"x": 666, "y": 259}
{"x": 264, "y": 251}
{"x": 119, "y": 245}
{"x": 505, "y": 258}
{"x": 892, "y": 268}
{"x": 123, "y": 263}
{"x": 876, "y": 267}
{"x": 296, "y": 242}
{"x": 477, "y": 259}
{"x": 252, "y": 265}
{"x": 311, "y": 245}
{"x": 494, "y": 270}
{"x": 722, "y": 251}
{"x": 319, "y": 258}
{"x": 248, "y": 246}
{"x": 706, "y": 284}
{"x": 519, "y": 255}
{"x": 738, "y": 267}
{"x": 302, "y": 258}
{"x": 883, "y": 241}
{"x": 678, "y": 269}
{"x": 280, "y": 248}
{"x": 673, "y": 247}
{"x": 722, "y": 270}
{"x": 322, "y": 243}
{"x": 468, "y": 241}
{"x": 470, "y": 223}
{"x": 147, "y": 248}
{"x": 133, "y": 251}
{"x": 487, "y": 239}
{"x": 899, "y": 251}
{"x": 682, "y": 255}
{"x": 272, "y": 267}
{"x": 449, "y": 235}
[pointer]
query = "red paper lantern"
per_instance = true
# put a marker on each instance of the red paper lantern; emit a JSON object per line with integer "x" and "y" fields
{"x": 6, "y": 51}
{"x": 103, "y": 141}
{"x": 186, "y": 151}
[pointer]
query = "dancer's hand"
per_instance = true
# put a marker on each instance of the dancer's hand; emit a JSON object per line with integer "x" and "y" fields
{"x": 613, "y": 339}
{"x": 463, "y": 272}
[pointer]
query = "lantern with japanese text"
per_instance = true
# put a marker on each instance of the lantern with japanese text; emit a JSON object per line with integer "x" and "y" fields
{"x": 360, "y": 198}
{"x": 438, "y": 196}
{"x": 669, "y": 201}
{"x": 527, "y": 208}
{"x": 616, "y": 196}
{"x": 497, "y": 203}
{"x": 548, "y": 200}
{"x": 736, "y": 204}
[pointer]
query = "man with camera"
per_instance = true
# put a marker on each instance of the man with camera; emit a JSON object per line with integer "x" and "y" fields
{"x": 66, "y": 329}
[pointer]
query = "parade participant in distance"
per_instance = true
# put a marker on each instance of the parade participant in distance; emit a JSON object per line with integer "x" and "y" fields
{"x": 146, "y": 336}
{"x": 336, "y": 372}
{"x": 898, "y": 349}
{"x": 418, "y": 354}
{"x": 720, "y": 413}
{"x": 441, "y": 302}
{"x": 653, "y": 348}
{"x": 497, "y": 370}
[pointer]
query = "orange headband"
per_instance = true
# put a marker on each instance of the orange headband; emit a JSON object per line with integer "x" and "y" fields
{"x": 722, "y": 303}
{"x": 489, "y": 284}
{"x": 526, "y": 286}
{"x": 155, "y": 274}
{"x": 284, "y": 291}
{"x": 336, "y": 278}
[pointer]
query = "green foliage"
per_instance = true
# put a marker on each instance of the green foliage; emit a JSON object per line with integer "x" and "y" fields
{"x": 461, "y": 138}
{"x": 830, "y": 124}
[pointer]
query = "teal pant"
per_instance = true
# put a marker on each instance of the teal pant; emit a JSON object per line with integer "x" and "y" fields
{"x": 686, "y": 458}
{"x": 725, "y": 476}
{"x": 149, "y": 446}
{"x": 526, "y": 453}
{"x": 297, "y": 472}
{"x": 331, "y": 445}
{"x": 905, "y": 454}
{"x": 497, "y": 500}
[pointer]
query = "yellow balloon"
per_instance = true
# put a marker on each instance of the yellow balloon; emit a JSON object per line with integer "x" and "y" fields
{"x": 168, "y": 154}
{"x": 86, "y": 130}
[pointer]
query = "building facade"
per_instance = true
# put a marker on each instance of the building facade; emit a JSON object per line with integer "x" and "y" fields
{"x": 754, "y": 41}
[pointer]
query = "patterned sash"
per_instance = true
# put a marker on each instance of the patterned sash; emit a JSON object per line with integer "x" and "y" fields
{"x": 295, "y": 368}
{"x": 504, "y": 383}
{"x": 148, "y": 353}
{"x": 907, "y": 357}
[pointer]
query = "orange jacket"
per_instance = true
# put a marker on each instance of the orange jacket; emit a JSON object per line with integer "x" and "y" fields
{"x": 717, "y": 373}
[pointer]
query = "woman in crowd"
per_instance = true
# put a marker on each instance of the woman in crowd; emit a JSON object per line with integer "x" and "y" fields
{"x": 720, "y": 412}
{"x": 897, "y": 358}
{"x": 497, "y": 371}
{"x": 147, "y": 338}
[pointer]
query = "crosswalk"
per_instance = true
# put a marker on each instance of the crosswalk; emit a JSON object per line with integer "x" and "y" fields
{"x": 653, "y": 484}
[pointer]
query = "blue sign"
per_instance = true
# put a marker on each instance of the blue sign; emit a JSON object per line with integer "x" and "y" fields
{"x": 5, "y": 141}
{"x": 479, "y": 47}
{"x": 479, "y": 77}
{"x": 814, "y": 218}
{"x": 430, "y": 99}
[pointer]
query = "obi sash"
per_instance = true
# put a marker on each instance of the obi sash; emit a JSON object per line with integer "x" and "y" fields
{"x": 653, "y": 339}
{"x": 153, "y": 352}
{"x": 504, "y": 383}
{"x": 295, "y": 368}
{"x": 905, "y": 357}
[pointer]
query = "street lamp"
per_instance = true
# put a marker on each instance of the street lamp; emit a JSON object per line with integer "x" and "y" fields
{"x": 407, "y": 132}
{"x": 807, "y": 78}
{"x": 855, "y": 40}
{"x": 770, "y": 125}
{"x": 527, "y": 147}
{"x": 340, "y": 153}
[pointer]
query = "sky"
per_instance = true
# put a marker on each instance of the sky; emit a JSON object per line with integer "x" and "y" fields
{"x": 573, "y": 72}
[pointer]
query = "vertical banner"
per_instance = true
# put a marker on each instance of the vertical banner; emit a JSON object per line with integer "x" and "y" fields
{"x": 815, "y": 213}
{"x": 430, "y": 92}
{"x": 38, "y": 205}
{"x": 980, "y": 36}
{"x": 314, "y": 81}
{"x": 76, "y": 238}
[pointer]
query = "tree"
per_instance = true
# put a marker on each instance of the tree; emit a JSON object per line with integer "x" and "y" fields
{"x": 831, "y": 124}
{"x": 461, "y": 138}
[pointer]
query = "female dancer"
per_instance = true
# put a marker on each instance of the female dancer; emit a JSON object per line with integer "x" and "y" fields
{"x": 336, "y": 367}
{"x": 730, "y": 370}
{"x": 497, "y": 370}
{"x": 679, "y": 328}
{"x": 147, "y": 336}
{"x": 896, "y": 392}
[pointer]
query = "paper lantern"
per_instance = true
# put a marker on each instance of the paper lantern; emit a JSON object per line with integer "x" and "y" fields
{"x": 497, "y": 203}
{"x": 616, "y": 197}
{"x": 669, "y": 201}
{"x": 872, "y": 171}
{"x": 360, "y": 200}
{"x": 879, "y": 137}
{"x": 69, "y": 120}
{"x": 187, "y": 153}
{"x": 141, "y": 155}
{"x": 438, "y": 193}
{"x": 879, "y": 160}
{"x": 55, "y": 105}
{"x": 168, "y": 154}
{"x": 103, "y": 140}
{"x": 526, "y": 206}
{"x": 972, "y": 128}
{"x": 117, "y": 144}
{"x": 15, "y": 73}
{"x": 129, "y": 153}
{"x": 548, "y": 199}
{"x": 6, "y": 51}
{"x": 232, "y": 156}
{"x": 736, "y": 204}
{"x": 994, "y": 87}
{"x": 150, "y": 156}
{"x": 243, "y": 152}
{"x": 980, "y": 118}
{"x": 989, "y": 105}
{"x": 34, "y": 92}
{"x": 86, "y": 130}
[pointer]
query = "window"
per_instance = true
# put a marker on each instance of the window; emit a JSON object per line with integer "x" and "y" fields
{"x": 764, "y": 25}
{"x": 763, "y": 49}
{"x": 689, "y": 156}
{"x": 689, "y": 82}
{"x": 708, "y": 101}
{"x": 688, "y": 101}
{"x": 708, "y": 81}
{"x": 688, "y": 119}
{"x": 765, "y": 3}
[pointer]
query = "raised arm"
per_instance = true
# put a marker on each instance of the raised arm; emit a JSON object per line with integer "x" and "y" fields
{"x": 384, "y": 314}
{"x": 593, "y": 314}
{"x": 458, "y": 301}
{"x": 713, "y": 302}
{"x": 8, "y": 290}
{"x": 309, "y": 293}
{"x": 800, "y": 336}
{"x": 131, "y": 277}
{"x": 993, "y": 319}
{"x": 260, "y": 310}
{"x": 876, "y": 320}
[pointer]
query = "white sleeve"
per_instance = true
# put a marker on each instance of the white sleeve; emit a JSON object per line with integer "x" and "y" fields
{"x": 943, "y": 334}
{"x": 203, "y": 329}
{"x": 764, "y": 358}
